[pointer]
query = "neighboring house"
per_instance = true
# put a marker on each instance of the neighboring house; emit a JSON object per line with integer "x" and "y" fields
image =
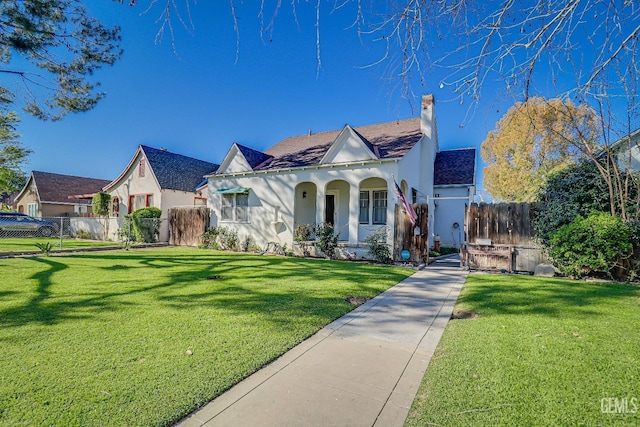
{"x": 159, "y": 178}
{"x": 627, "y": 151}
{"x": 454, "y": 185}
{"x": 345, "y": 177}
{"x": 52, "y": 195}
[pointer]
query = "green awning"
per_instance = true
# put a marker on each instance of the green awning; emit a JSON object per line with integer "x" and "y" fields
{"x": 232, "y": 190}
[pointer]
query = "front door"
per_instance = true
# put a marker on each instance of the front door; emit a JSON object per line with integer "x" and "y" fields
{"x": 330, "y": 209}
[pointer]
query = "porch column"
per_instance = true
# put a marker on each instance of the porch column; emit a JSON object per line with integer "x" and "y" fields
{"x": 391, "y": 210}
{"x": 354, "y": 213}
{"x": 320, "y": 201}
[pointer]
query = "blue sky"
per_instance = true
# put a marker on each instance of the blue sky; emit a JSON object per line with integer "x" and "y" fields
{"x": 199, "y": 101}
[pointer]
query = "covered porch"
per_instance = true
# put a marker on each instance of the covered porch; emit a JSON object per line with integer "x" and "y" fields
{"x": 355, "y": 208}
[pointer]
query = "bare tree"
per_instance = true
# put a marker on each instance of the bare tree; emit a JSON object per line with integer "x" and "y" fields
{"x": 567, "y": 45}
{"x": 585, "y": 50}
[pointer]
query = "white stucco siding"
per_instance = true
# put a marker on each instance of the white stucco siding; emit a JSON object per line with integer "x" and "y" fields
{"x": 448, "y": 212}
{"x": 272, "y": 197}
{"x": 305, "y": 199}
{"x": 409, "y": 170}
{"x": 350, "y": 150}
{"x": 238, "y": 164}
{"x": 270, "y": 216}
{"x": 132, "y": 184}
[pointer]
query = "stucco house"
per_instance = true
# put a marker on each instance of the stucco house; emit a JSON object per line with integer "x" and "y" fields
{"x": 345, "y": 177}
{"x": 49, "y": 194}
{"x": 454, "y": 185}
{"x": 627, "y": 151}
{"x": 157, "y": 177}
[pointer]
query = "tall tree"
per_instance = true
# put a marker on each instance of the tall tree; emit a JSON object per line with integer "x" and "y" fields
{"x": 12, "y": 153}
{"x": 50, "y": 50}
{"x": 532, "y": 141}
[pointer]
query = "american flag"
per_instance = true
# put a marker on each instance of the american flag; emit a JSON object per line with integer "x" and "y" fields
{"x": 407, "y": 207}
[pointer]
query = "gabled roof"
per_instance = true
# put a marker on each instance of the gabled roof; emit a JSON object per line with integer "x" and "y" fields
{"x": 349, "y": 146}
{"x": 172, "y": 171}
{"x": 455, "y": 167}
{"x": 58, "y": 188}
{"x": 253, "y": 157}
{"x": 175, "y": 171}
{"x": 241, "y": 159}
{"x": 387, "y": 140}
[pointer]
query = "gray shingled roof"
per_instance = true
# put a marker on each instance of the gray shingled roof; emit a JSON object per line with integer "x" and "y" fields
{"x": 254, "y": 157}
{"x": 175, "y": 171}
{"x": 455, "y": 167}
{"x": 392, "y": 140}
{"x": 54, "y": 187}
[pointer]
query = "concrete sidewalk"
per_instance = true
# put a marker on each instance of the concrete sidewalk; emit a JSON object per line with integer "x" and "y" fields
{"x": 364, "y": 369}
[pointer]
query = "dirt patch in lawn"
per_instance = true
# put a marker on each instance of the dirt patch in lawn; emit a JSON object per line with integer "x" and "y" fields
{"x": 356, "y": 300}
{"x": 463, "y": 314}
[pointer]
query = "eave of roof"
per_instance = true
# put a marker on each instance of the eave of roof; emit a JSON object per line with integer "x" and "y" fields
{"x": 302, "y": 168}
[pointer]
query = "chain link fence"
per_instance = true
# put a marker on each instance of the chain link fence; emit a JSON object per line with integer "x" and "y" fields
{"x": 120, "y": 230}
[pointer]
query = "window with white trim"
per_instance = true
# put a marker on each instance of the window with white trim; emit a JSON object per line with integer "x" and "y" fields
{"x": 376, "y": 212}
{"x": 32, "y": 209}
{"x": 380, "y": 207}
{"x": 364, "y": 207}
{"x": 235, "y": 207}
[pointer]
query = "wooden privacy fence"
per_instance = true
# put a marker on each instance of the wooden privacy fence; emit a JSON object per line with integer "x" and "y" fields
{"x": 187, "y": 224}
{"x": 406, "y": 237}
{"x": 501, "y": 236}
{"x": 503, "y": 223}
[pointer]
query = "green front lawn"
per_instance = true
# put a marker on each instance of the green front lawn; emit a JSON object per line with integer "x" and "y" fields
{"x": 104, "y": 339}
{"x": 22, "y": 244}
{"x": 540, "y": 352}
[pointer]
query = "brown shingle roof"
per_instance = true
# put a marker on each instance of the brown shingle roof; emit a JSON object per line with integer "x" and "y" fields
{"x": 455, "y": 167}
{"x": 392, "y": 139}
{"x": 53, "y": 187}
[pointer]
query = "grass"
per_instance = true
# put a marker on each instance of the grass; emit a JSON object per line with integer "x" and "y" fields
{"x": 103, "y": 339}
{"x": 21, "y": 244}
{"x": 540, "y": 352}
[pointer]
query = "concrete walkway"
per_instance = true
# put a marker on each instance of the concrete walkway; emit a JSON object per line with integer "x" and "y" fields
{"x": 364, "y": 369}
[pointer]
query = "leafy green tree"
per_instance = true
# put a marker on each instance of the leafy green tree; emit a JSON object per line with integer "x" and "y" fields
{"x": 51, "y": 49}
{"x": 598, "y": 245}
{"x": 532, "y": 141}
{"x": 576, "y": 190}
{"x": 12, "y": 153}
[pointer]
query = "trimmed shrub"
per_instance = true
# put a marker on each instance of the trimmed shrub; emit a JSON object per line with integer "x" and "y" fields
{"x": 228, "y": 238}
{"x": 100, "y": 204}
{"x": 326, "y": 239}
{"x": 599, "y": 245}
{"x": 378, "y": 248}
{"x": 210, "y": 238}
{"x": 222, "y": 238}
{"x": 142, "y": 225}
{"x": 302, "y": 235}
